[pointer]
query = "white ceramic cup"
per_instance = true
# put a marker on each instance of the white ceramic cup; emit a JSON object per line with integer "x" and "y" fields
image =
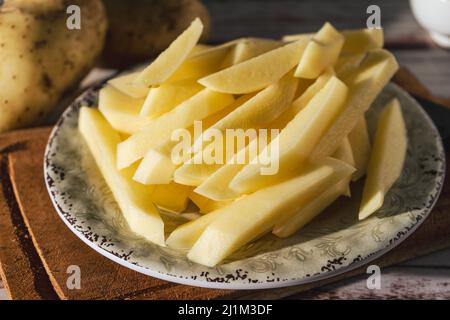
{"x": 434, "y": 16}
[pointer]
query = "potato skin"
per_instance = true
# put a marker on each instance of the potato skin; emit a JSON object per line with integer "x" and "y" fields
{"x": 42, "y": 58}
{"x": 139, "y": 30}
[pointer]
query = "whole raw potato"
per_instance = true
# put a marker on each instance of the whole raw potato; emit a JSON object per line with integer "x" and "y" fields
{"x": 41, "y": 58}
{"x": 139, "y": 30}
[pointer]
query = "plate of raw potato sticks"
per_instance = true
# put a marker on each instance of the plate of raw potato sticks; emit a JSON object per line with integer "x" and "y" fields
{"x": 255, "y": 163}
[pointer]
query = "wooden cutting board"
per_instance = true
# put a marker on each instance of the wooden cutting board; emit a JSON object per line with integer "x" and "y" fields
{"x": 36, "y": 248}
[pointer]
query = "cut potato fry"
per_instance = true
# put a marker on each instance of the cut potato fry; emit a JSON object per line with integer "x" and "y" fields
{"x": 133, "y": 199}
{"x": 249, "y": 48}
{"x": 164, "y": 98}
{"x": 263, "y": 108}
{"x": 249, "y": 217}
{"x": 321, "y": 52}
{"x": 360, "y": 144}
{"x": 311, "y": 91}
{"x": 171, "y": 197}
{"x": 203, "y": 63}
{"x": 126, "y": 85}
{"x": 257, "y": 112}
{"x": 257, "y": 73}
{"x": 121, "y": 110}
{"x": 184, "y": 237}
{"x": 363, "y": 40}
{"x": 365, "y": 85}
{"x": 298, "y": 139}
{"x": 347, "y": 64}
{"x": 303, "y": 215}
{"x": 159, "y": 130}
{"x": 170, "y": 60}
{"x": 216, "y": 185}
{"x": 356, "y": 41}
{"x": 206, "y": 205}
{"x": 157, "y": 166}
{"x": 200, "y": 47}
{"x": 387, "y": 159}
{"x": 345, "y": 154}
{"x": 261, "y": 135}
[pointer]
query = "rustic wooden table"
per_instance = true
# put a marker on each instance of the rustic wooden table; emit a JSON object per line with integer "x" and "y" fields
{"x": 426, "y": 277}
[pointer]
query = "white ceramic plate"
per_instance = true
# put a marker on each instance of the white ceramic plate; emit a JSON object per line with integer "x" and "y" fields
{"x": 333, "y": 243}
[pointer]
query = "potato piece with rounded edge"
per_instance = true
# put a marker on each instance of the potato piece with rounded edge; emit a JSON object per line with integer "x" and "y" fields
{"x": 203, "y": 63}
{"x": 37, "y": 66}
{"x": 297, "y": 139}
{"x": 170, "y": 59}
{"x": 126, "y": 85}
{"x": 249, "y": 48}
{"x": 121, "y": 111}
{"x": 159, "y": 130}
{"x": 167, "y": 96}
{"x": 133, "y": 199}
{"x": 257, "y": 73}
{"x": 365, "y": 84}
{"x": 321, "y": 52}
{"x": 387, "y": 159}
{"x": 250, "y": 217}
{"x": 361, "y": 148}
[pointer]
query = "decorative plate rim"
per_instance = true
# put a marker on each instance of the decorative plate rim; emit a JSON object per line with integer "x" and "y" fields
{"x": 393, "y": 243}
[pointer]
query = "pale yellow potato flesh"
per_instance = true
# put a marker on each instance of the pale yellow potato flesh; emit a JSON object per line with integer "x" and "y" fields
{"x": 164, "y": 98}
{"x": 345, "y": 154}
{"x": 216, "y": 185}
{"x": 249, "y": 48}
{"x": 361, "y": 148}
{"x": 121, "y": 110}
{"x": 303, "y": 215}
{"x": 347, "y": 64}
{"x": 207, "y": 205}
{"x": 356, "y": 41}
{"x": 365, "y": 84}
{"x": 133, "y": 199}
{"x": 363, "y": 40}
{"x": 159, "y": 130}
{"x": 158, "y": 167}
{"x": 202, "y": 63}
{"x": 311, "y": 91}
{"x": 172, "y": 58}
{"x": 256, "y": 73}
{"x": 126, "y": 85}
{"x": 171, "y": 197}
{"x": 249, "y": 217}
{"x": 297, "y": 139}
{"x": 321, "y": 52}
{"x": 184, "y": 237}
{"x": 257, "y": 112}
{"x": 200, "y": 47}
{"x": 387, "y": 158}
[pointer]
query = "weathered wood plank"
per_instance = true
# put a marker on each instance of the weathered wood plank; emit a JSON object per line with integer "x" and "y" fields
{"x": 396, "y": 283}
